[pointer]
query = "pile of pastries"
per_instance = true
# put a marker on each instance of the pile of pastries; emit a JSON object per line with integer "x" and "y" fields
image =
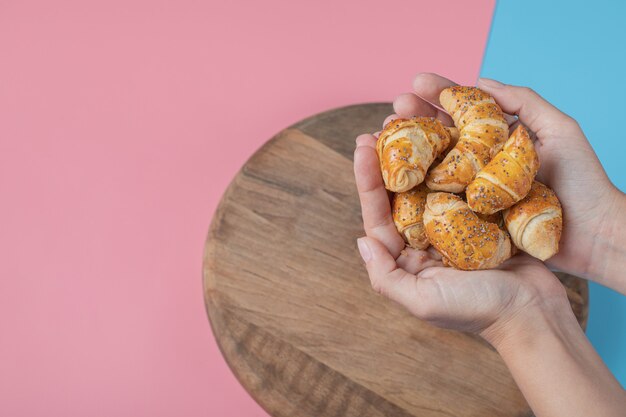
{"x": 469, "y": 191}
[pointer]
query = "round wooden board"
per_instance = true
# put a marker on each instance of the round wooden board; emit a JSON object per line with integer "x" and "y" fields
{"x": 291, "y": 306}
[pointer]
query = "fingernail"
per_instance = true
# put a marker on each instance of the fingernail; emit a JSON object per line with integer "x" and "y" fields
{"x": 490, "y": 83}
{"x": 364, "y": 250}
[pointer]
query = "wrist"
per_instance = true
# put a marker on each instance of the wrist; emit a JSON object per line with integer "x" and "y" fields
{"x": 545, "y": 350}
{"x": 609, "y": 252}
{"x": 520, "y": 328}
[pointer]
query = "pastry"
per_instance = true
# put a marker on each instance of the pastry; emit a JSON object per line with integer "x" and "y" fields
{"x": 466, "y": 241}
{"x": 406, "y": 149}
{"x": 482, "y": 129}
{"x": 507, "y": 178}
{"x": 536, "y": 222}
{"x": 407, "y": 209}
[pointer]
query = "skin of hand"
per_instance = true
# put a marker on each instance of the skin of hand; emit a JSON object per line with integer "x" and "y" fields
{"x": 520, "y": 308}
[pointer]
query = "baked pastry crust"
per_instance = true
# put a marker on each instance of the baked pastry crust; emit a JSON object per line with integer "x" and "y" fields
{"x": 536, "y": 222}
{"x": 507, "y": 178}
{"x": 466, "y": 241}
{"x": 483, "y": 131}
{"x": 406, "y": 149}
{"x": 407, "y": 210}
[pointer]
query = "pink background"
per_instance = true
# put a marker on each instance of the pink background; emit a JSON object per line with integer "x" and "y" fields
{"x": 121, "y": 124}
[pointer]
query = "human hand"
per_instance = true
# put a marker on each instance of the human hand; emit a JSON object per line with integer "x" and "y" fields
{"x": 592, "y": 206}
{"x": 475, "y": 301}
{"x": 520, "y": 307}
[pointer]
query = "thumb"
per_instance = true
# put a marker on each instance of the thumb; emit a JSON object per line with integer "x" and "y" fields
{"x": 385, "y": 276}
{"x": 422, "y": 295}
{"x": 532, "y": 110}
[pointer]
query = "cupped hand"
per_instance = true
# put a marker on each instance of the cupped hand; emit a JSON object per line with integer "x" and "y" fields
{"x": 475, "y": 301}
{"x": 520, "y": 307}
{"x": 568, "y": 165}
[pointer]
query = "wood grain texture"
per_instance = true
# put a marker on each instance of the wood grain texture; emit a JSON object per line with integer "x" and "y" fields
{"x": 290, "y": 303}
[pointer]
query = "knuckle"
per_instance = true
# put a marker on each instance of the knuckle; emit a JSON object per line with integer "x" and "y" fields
{"x": 564, "y": 125}
{"x": 525, "y": 91}
{"x": 373, "y": 226}
{"x": 570, "y": 121}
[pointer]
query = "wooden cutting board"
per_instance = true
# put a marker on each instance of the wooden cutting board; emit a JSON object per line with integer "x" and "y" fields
{"x": 290, "y": 302}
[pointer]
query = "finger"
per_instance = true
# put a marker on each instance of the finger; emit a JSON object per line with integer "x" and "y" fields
{"x": 413, "y": 260}
{"x": 390, "y": 119}
{"x": 375, "y": 207}
{"x": 366, "y": 140}
{"x": 385, "y": 275}
{"x": 532, "y": 110}
{"x": 410, "y": 105}
{"x": 428, "y": 86}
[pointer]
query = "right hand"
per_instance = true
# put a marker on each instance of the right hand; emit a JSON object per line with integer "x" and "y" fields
{"x": 568, "y": 165}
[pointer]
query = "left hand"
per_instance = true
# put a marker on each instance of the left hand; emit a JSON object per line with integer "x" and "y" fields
{"x": 473, "y": 301}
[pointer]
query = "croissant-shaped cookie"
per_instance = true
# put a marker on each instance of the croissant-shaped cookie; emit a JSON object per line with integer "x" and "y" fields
{"x": 407, "y": 209}
{"x": 536, "y": 222}
{"x": 407, "y": 147}
{"x": 507, "y": 178}
{"x": 483, "y": 131}
{"x": 466, "y": 241}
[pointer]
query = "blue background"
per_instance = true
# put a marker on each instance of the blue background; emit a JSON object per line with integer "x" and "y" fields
{"x": 574, "y": 54}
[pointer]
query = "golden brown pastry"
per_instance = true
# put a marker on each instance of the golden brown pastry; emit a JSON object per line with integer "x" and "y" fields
{"x": 507, "y": 178}
{"x": 536, "y": 222}
{"x": 466, "y": 241}
{"x": 407, "y": 147}
{"x": 495, "y": 218}
{"x": 454, "y": 138}
{"x": 483, "y": 131}
{"x": 407, "y": 209}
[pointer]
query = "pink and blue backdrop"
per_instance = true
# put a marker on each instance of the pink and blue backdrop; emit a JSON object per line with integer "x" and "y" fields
{"x": 122, "y": 122}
